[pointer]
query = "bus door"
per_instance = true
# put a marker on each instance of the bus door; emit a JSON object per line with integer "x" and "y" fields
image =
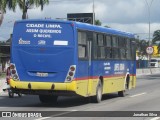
{"x": 84, "y": 62}
{"x": 89, "y": 47}
{"x": 133, "y": 64}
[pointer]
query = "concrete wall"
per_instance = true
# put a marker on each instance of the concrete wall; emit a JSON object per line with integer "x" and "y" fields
{"x": 148, "y": 71}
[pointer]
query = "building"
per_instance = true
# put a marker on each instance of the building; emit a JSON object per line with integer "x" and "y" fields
{"x": 4, "y": 55}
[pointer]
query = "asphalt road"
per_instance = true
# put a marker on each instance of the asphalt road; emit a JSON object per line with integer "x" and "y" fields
{"x": 146, "y": 97}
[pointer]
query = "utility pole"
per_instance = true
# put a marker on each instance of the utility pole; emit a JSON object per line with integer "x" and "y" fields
{"x": 93, "y": 13}
{"x": 149, "y": 19}
{"x": 149, "y": 25}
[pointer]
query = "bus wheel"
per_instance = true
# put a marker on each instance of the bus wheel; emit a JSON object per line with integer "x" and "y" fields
{"x": 48, "y": 98}
{"x": 20, "y": 94}
{"x": 98, "y": 97}
{"x": 121, "y": 93}
{"x": 10, "y": 93}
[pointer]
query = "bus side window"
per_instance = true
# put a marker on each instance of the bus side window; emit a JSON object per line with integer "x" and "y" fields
{"x": 82, "y": 45}
{"x": 95, "y": 52}
{"x": 128, "y": 52}
{"x": 122, "y": 47}
{"x": 101, "y": 46}
{"x": 115, "y": 50}
{"x": 108, "y": 47}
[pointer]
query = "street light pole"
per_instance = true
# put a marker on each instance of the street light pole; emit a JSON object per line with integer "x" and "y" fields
{"x": 149, "y": 21}
{"x": 93, "y": 13}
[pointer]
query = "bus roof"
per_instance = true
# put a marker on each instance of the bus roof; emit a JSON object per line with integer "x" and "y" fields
{"x": 85, "y": 26}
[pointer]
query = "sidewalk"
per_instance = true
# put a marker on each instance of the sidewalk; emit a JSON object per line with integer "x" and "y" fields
{"x": 2, "y": 84}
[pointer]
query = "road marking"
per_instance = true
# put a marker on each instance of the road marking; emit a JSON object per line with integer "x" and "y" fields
{"x": 43, "y": 118}
{"x": 63, "y": 113}
{"x": 156, "y": 118}
{"x": 138, "y": 94}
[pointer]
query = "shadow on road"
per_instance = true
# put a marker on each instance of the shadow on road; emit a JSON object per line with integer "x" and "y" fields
{"x": 33, "y": 101}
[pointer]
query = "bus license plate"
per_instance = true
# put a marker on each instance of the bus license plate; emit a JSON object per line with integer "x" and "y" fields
{"x": 42, "y": 74}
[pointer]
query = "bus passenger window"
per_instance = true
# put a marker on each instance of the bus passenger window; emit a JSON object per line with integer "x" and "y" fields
{"x": 115, "y": 53}
{"x": 101, "y": 51}
{"x": 82, "y": 45}
{"x": 108, "y": 46}
{"x": 108, "y": 53}
{"x": 100, "y": 40}
{"x": 82, "y": 51}
{"x": 114, "y": 42}
{"x": 115, "y": 50}
{"x": 123, "y": 53}
{"x": 101, "y": 46}
{"x": 122, "y": 47}
{"x": 108, "y": 41}
{"x": 128, "y": 52}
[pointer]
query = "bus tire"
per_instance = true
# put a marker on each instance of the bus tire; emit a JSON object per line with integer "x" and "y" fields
{"x": 20, "y": 94}
{"x": 10, "y": 93}
{"x": 48, "y": 99}
{"x": 98, "y": 97}
{"x": 121, "y": 93}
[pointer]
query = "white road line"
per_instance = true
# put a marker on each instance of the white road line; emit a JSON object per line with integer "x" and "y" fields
{"x": 138, "y": 94}
{"x": 156, "y": 118}
{"x": 63, "y": 113}
{"x": 43, "y": 118}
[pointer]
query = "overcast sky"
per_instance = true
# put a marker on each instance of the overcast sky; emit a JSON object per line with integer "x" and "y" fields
{"x": 126, "y": 15}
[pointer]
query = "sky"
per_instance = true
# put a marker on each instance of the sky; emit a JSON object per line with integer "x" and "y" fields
{"x": 125, "y": 15}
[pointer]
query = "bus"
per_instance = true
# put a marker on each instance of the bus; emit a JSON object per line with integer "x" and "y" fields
{"x": 52, "y": 58}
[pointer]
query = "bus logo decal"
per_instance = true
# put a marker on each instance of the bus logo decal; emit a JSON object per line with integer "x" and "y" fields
{"x": 24, "y": 42}
{"x": 41, "y": 42}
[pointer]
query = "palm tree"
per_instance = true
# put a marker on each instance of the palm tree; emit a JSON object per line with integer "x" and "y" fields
{"x": 23, "y": 4}
{"x": 1, "y": 17}
{"x": 98, "y": 22}
{"x": 156, "y": 37}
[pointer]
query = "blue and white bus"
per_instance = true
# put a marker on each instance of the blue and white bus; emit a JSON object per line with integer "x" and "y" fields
{"x": 53, "y": 58}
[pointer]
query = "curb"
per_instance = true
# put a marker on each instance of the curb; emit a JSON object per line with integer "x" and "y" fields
{"x": 147, "y": 71}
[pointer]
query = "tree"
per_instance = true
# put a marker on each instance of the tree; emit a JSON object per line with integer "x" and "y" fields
{"x": 23, "y": 4}
{"x": 1, "y": 17}
{"x": 98, "y": 22}
{"x": 106, "y": 26}
{"x": 156, "y": 37}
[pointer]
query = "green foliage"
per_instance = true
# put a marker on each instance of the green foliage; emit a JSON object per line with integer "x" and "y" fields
{"x": 98, "y": 22}
{"x": 23, "y": 4}
{"x": 156, "y": 37}
{"x": 141, "y": 46}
